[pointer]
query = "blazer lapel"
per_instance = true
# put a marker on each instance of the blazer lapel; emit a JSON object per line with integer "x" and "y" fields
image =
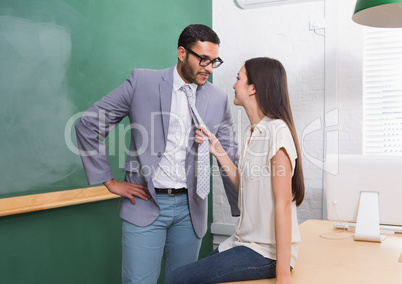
{"x": 201, "y": 102}
{"x": 165, "y": 91}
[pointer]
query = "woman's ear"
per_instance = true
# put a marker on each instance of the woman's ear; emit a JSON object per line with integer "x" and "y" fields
{"x": 251, "y": 90}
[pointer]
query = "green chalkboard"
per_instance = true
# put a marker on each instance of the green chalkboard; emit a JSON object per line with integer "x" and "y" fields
{"x": 57, "y": 57}
{"x": 75, "y": 244}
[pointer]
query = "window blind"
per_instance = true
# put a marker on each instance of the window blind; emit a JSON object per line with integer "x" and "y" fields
{"x": 382, "y": 91}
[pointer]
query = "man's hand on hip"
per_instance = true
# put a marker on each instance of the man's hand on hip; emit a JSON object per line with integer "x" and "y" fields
{"x": 128, "y": 190}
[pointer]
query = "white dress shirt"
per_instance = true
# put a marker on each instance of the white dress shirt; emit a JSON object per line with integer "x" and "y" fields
{"x": 171, "y": 172}
{"x": 255, "y": 228}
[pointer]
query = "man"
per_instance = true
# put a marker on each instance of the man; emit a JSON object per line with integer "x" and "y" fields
{"x": 161, "y": 212}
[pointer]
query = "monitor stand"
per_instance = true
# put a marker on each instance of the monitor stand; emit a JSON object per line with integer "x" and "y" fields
{"x": 368, "y": 220}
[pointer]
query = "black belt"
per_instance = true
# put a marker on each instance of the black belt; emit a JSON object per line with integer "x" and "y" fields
{"x": 171, "y": 191}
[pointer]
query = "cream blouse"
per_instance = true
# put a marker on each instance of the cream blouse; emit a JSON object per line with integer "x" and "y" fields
{"x": 256, "y": 226}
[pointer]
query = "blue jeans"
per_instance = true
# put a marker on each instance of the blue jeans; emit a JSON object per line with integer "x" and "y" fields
{"x": 171, "y": 235}
{"x": 235, "y": 264}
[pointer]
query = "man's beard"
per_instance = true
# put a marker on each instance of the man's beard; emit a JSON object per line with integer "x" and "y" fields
{"x": 188, "y": 73}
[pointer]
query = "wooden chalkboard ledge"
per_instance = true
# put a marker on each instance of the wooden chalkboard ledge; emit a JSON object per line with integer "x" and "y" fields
{"x": 43, "y": 201}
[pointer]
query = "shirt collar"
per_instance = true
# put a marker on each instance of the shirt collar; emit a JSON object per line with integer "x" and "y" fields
{"x": 261, "y": 126}
{"x": 178, "y": 82}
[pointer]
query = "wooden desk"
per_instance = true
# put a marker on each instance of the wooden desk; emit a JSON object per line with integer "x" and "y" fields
{"x": 324, "y": 261}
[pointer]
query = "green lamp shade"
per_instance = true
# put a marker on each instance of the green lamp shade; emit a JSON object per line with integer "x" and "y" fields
{"x": 379, "y": 13}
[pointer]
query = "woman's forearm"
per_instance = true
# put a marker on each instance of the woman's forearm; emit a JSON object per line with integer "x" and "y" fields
{"x": 227, "y": 165}
{"x": 283, "y": 231}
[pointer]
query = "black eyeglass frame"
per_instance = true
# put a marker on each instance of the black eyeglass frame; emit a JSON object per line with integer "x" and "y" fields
{"x": 217, "y": 61}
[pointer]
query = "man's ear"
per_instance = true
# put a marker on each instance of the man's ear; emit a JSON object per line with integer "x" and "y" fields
{"x": 181, "y": 53}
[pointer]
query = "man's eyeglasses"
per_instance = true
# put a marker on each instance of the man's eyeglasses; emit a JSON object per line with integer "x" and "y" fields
{"x": 204, "y": 62}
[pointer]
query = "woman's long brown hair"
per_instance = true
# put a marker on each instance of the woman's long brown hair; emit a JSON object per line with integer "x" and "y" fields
{"x": 270, "y": 82}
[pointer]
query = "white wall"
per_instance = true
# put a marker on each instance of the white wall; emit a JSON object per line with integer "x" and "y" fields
{"x": 283, "y": 32}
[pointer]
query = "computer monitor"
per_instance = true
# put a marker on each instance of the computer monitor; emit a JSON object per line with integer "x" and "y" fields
{"x": 367, "y": 190}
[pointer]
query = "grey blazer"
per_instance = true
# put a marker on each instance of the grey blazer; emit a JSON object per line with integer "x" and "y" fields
{"x": 145, "y": 97}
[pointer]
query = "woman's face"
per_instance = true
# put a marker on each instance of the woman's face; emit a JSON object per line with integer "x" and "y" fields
{"x": 242, "y": 89}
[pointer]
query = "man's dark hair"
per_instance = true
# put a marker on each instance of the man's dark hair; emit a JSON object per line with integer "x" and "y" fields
{"x": 193, "y": 33}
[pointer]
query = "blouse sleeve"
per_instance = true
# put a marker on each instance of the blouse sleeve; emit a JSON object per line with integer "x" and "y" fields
{"x": 281, "y": 137}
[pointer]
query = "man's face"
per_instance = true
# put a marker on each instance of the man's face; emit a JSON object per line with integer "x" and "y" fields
{"x": 189, "y": 67}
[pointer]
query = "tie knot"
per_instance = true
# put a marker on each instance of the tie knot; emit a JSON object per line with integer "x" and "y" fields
{"x": 187, "y": 90}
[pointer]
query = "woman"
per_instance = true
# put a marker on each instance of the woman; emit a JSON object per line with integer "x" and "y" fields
{"x": 270, "y": 180}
